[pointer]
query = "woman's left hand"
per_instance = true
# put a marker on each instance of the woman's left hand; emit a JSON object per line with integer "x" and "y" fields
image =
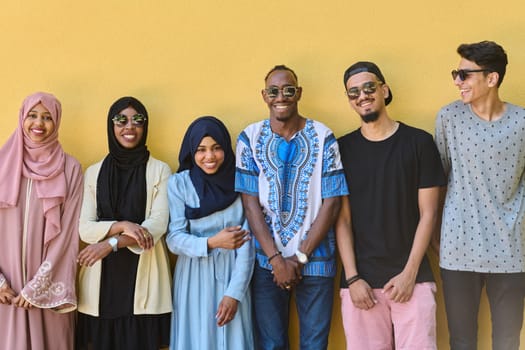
{"x": 93, "y": 253}
{"x": 139, "y": 233}
{"x": 227, "y": 310}
{"x": 20, "y": 301}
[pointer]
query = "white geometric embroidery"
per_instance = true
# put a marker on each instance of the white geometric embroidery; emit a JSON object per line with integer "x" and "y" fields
{"x": 42, "y": 285}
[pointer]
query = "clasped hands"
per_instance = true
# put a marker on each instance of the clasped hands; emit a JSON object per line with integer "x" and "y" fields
{"x": 9, "y": 297}
{"x": 287, "y": 272}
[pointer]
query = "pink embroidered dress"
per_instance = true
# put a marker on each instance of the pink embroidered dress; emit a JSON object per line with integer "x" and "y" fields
{"x": 40, "y": 198}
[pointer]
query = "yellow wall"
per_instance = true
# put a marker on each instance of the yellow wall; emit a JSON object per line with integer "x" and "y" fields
{"x": 186, "y": 58}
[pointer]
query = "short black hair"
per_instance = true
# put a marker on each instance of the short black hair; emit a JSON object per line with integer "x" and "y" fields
{"x": 487, "y": 55}
{"x": 281, "y": 67}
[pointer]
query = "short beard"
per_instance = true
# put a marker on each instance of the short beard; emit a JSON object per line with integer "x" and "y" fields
{"x": 370, "y": 117}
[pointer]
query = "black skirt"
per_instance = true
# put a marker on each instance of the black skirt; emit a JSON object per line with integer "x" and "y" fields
{"x": 117, "y": 327}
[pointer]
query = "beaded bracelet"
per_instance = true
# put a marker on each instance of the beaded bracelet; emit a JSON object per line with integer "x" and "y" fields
{"x": 273, "y": 256}
{"x": 352, "y": 280}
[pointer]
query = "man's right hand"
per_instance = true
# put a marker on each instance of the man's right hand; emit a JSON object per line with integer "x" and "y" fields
{"x": 362, "y": 295}
{"x": 285, "y": 273}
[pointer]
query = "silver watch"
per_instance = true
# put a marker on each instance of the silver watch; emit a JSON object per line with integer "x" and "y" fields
{"x": 113, "y": 242}
{"x": 301, "y": 257}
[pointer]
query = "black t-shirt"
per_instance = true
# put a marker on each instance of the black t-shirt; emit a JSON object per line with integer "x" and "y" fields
{"x": 383, "y": 180}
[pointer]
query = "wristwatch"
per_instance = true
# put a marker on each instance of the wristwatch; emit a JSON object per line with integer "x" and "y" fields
{"x": 113, "y": 242}
{"x": 301, "y": 257}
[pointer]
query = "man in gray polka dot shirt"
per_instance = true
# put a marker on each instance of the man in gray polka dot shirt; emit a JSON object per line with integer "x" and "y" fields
{"x": 481, "y": 140}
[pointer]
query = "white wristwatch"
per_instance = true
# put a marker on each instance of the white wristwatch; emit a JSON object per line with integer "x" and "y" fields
{"x": 301, "y": 257}
{"x": 113, "y": 242}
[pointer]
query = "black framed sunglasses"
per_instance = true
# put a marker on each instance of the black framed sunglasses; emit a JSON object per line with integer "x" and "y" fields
{"x": 287, "y": 91}
{"x": 121, "y": 120}
{"x": 368, "y": 88}
{"x": 464, "y": 73}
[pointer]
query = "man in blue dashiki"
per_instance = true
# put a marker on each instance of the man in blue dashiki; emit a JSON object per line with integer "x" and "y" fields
{"x": 289, "y": 172}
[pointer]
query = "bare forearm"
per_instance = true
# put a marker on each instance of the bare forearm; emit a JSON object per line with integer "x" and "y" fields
{"x": 126, "y": 241}
{"x": 116, "y": 229}
{"x": 346, "y": 252}
{"x": 436, "y": 236}
{"x": 285, "y": 273}
{"x": 325, "y": 219}
{"x": 258, "y": 226}
{"x": 428, "y": 208}
{"x": 419, "y": 247}
{"x": 345, "y": 239}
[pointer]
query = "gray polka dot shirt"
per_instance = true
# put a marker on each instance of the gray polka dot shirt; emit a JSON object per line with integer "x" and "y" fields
{"x": 483, "y": 227}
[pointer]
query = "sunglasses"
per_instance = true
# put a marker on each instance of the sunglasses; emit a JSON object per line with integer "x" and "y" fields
{"x": 368, "y": 88}
{"x": 121, "y": 120}
{"x": 287, "y": 91}
{"x": 464, "y": 73}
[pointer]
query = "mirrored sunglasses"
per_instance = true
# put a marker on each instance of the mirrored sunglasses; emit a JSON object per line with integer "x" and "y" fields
{"x": 368, "y": 88}
{"x": 464, "y": 73}
{"x": 287, "y": 91}
{"x": 121, "y": 120}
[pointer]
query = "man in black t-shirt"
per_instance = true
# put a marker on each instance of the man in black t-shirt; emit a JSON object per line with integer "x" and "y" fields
{"x": 394, "y": 173}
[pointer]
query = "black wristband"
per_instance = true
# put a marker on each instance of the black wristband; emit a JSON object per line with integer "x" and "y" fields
{"x": 352, "y": 280}
{"x": 273, "y": 256}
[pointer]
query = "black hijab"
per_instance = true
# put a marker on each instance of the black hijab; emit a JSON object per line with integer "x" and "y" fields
{"x": 121, "y": 183}
{"x": 216, "y": 191}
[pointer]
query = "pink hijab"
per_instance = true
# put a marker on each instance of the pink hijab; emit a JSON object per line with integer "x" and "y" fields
{"x": 42, "y": 162}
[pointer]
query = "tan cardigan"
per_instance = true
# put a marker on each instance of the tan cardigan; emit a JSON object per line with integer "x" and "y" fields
{"x": 153, "y": 283}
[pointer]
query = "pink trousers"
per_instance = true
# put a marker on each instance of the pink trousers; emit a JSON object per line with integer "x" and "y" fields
{"x": 390, "y": 325}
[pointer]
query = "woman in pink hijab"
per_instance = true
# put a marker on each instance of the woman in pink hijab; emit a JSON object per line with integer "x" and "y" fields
{"x": 40, "y": 198}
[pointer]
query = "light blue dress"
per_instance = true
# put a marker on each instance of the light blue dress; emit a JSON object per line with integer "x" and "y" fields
{"x": 202, "y": 277}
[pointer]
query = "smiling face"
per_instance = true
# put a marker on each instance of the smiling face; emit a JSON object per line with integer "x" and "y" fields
{"x": 38, "y": 124}
{"x": 368, "y": 106}
{"x": 282, "y": 108}
{"x": 128, "y": 136}
{"x": 477, "y": 85}
{"x": 209, "y": 155}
